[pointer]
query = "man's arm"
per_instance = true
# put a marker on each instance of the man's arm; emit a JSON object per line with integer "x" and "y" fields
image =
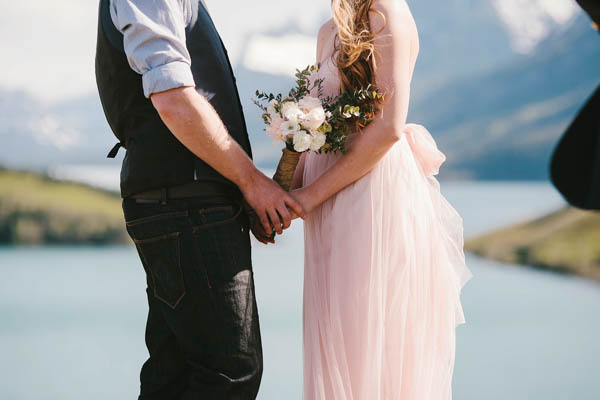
{"x": 154, "y": 42}
{"x": 194, "y": 122}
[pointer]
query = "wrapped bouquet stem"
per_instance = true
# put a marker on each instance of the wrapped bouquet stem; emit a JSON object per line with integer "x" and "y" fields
{"x": 308, "y": 123}
{"x": 286, "y": 168}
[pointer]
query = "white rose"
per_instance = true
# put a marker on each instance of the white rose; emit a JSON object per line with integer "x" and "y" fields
{"x": 291, "y": 111}
{"x": 302, "y": 141}
{"x": 314, "y": 119}
{"x": 274, "y": 128}
{"x": 318, "y": 141}
{"x": 308, "y": 103}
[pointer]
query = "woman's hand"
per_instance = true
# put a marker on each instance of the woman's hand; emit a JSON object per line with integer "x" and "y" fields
{"x": 307, "y": 198}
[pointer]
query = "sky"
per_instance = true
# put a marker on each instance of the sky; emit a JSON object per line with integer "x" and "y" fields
{"x": 47, "y": 47}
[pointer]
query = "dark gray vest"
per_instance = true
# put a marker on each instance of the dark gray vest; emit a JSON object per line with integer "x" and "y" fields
{"x": 155, "y": 159}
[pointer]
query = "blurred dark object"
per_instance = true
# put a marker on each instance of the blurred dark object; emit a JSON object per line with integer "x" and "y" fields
{"x": 592, "y": 7}
{"x": 575, "y": 166}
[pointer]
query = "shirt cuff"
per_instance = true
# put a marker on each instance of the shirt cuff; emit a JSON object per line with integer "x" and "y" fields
{"x": 168, "y": 76}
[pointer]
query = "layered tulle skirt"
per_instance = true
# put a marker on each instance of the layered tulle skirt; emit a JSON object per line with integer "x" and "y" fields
{"x": 384, "y": 268}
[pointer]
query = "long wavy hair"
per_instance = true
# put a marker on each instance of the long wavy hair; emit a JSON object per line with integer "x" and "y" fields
{"x": 354, "y": 44}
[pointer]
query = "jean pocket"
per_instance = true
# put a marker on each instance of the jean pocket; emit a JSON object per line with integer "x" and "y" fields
{"x": 161, "y": 257}
{"x": 223, "y": 243}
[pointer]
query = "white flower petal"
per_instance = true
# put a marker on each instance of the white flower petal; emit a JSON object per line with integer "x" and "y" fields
{"x": 302, "y": 141}
{"x": 291, "y": 111}
{"x": 318, "y": 141}
{"x": 314, "y": 119}
{"x": 309, "y": 103}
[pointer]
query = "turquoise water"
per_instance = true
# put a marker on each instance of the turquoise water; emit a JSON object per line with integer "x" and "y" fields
{"x": 72, "y": 319}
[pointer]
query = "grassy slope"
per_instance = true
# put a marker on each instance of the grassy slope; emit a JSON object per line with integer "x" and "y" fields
{"x": 565, "y": 241}
{"x": 35, "y": 209}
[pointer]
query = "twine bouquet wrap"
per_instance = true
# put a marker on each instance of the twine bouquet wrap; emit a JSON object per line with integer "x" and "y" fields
{"x": 286, "y": 168}
{"x": 308, "y": 123}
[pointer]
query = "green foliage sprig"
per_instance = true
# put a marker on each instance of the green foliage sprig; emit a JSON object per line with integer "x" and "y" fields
{"x": 350, "y": 112}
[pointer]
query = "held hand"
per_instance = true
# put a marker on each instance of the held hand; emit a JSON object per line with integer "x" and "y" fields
{"x": 259, "y": 233}
{"x": 256, "y": 227}
{"x": 306, "y": 198}
{"x": 271, "y": 203}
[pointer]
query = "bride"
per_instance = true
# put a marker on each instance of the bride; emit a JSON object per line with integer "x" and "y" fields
{"x": 384, "y": 262}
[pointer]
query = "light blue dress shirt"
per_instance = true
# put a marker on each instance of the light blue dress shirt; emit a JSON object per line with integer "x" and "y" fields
{"x": 154, "y": 41}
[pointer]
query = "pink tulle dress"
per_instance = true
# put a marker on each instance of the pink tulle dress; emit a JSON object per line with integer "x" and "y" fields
{"x": 384, "y": 269}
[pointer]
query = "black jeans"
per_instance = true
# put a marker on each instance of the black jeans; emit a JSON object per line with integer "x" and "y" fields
{"x": 202, "y": 332}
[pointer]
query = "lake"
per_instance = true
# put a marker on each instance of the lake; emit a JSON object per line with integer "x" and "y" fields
{"x": 72, "y": 318}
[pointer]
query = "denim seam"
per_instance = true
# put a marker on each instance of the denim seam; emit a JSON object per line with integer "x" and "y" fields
{"x": 157, "y": 238}
{"x": 176, "y": 235}
{"x": 156, "y": 217}
{"x": 196, "y": 229}
{"x": 203, "y": 211}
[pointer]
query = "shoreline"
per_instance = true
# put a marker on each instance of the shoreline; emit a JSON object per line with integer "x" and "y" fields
{"x": 566, "y": 242}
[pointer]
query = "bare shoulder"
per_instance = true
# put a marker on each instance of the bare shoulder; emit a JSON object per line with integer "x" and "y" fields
{"x": 393, "y": 17}
{"x": 326, "y": 29}
{"x": 325, "y": 32}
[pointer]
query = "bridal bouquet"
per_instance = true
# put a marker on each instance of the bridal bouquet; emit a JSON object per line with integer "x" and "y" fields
{"x": 307, "y": 123}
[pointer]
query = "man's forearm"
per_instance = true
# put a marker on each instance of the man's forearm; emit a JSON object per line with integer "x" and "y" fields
{"x": 195, "y": 123}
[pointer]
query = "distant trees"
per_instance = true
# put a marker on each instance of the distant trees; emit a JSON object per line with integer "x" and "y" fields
{"x": 35, "y": 209}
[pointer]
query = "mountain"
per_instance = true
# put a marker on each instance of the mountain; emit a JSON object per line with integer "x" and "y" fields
{"x": 455, "y": 44}
{"x": 495, "y": 112}
{"x": 461, "y": 39}
{"x": 503, "y": 124}
{"x": 35, "y": 135}
{"x": 529, "y": 21}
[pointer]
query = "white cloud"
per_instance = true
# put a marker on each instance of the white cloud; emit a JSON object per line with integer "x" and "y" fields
{"x": 530, "y": 21}
{"x": 280, "y": 54}
{"x": 237, "y": 19}
{"x": 48, "y": 47}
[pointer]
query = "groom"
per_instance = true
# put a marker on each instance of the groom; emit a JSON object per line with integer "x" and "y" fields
{"x": 169, "y": 95}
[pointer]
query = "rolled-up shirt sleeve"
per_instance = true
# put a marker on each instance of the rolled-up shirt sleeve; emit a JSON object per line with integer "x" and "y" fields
{"x": 154, "y": 41}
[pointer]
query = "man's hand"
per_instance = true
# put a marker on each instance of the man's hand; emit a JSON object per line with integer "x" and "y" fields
{"x": 271, "y": 203}
{"x": 259, "y": 233}
{"x": 256, "y": 227}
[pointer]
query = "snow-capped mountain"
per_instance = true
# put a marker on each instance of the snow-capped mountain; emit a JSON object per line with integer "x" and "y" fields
{"x": 37, "y": 135}
{"x": 531, "y": 21}
{"x": 471, "y": 82}
{"x": 505, "y": 123}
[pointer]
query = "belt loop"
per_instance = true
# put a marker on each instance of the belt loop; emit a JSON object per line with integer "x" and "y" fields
{"x": 164, "y": 192}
